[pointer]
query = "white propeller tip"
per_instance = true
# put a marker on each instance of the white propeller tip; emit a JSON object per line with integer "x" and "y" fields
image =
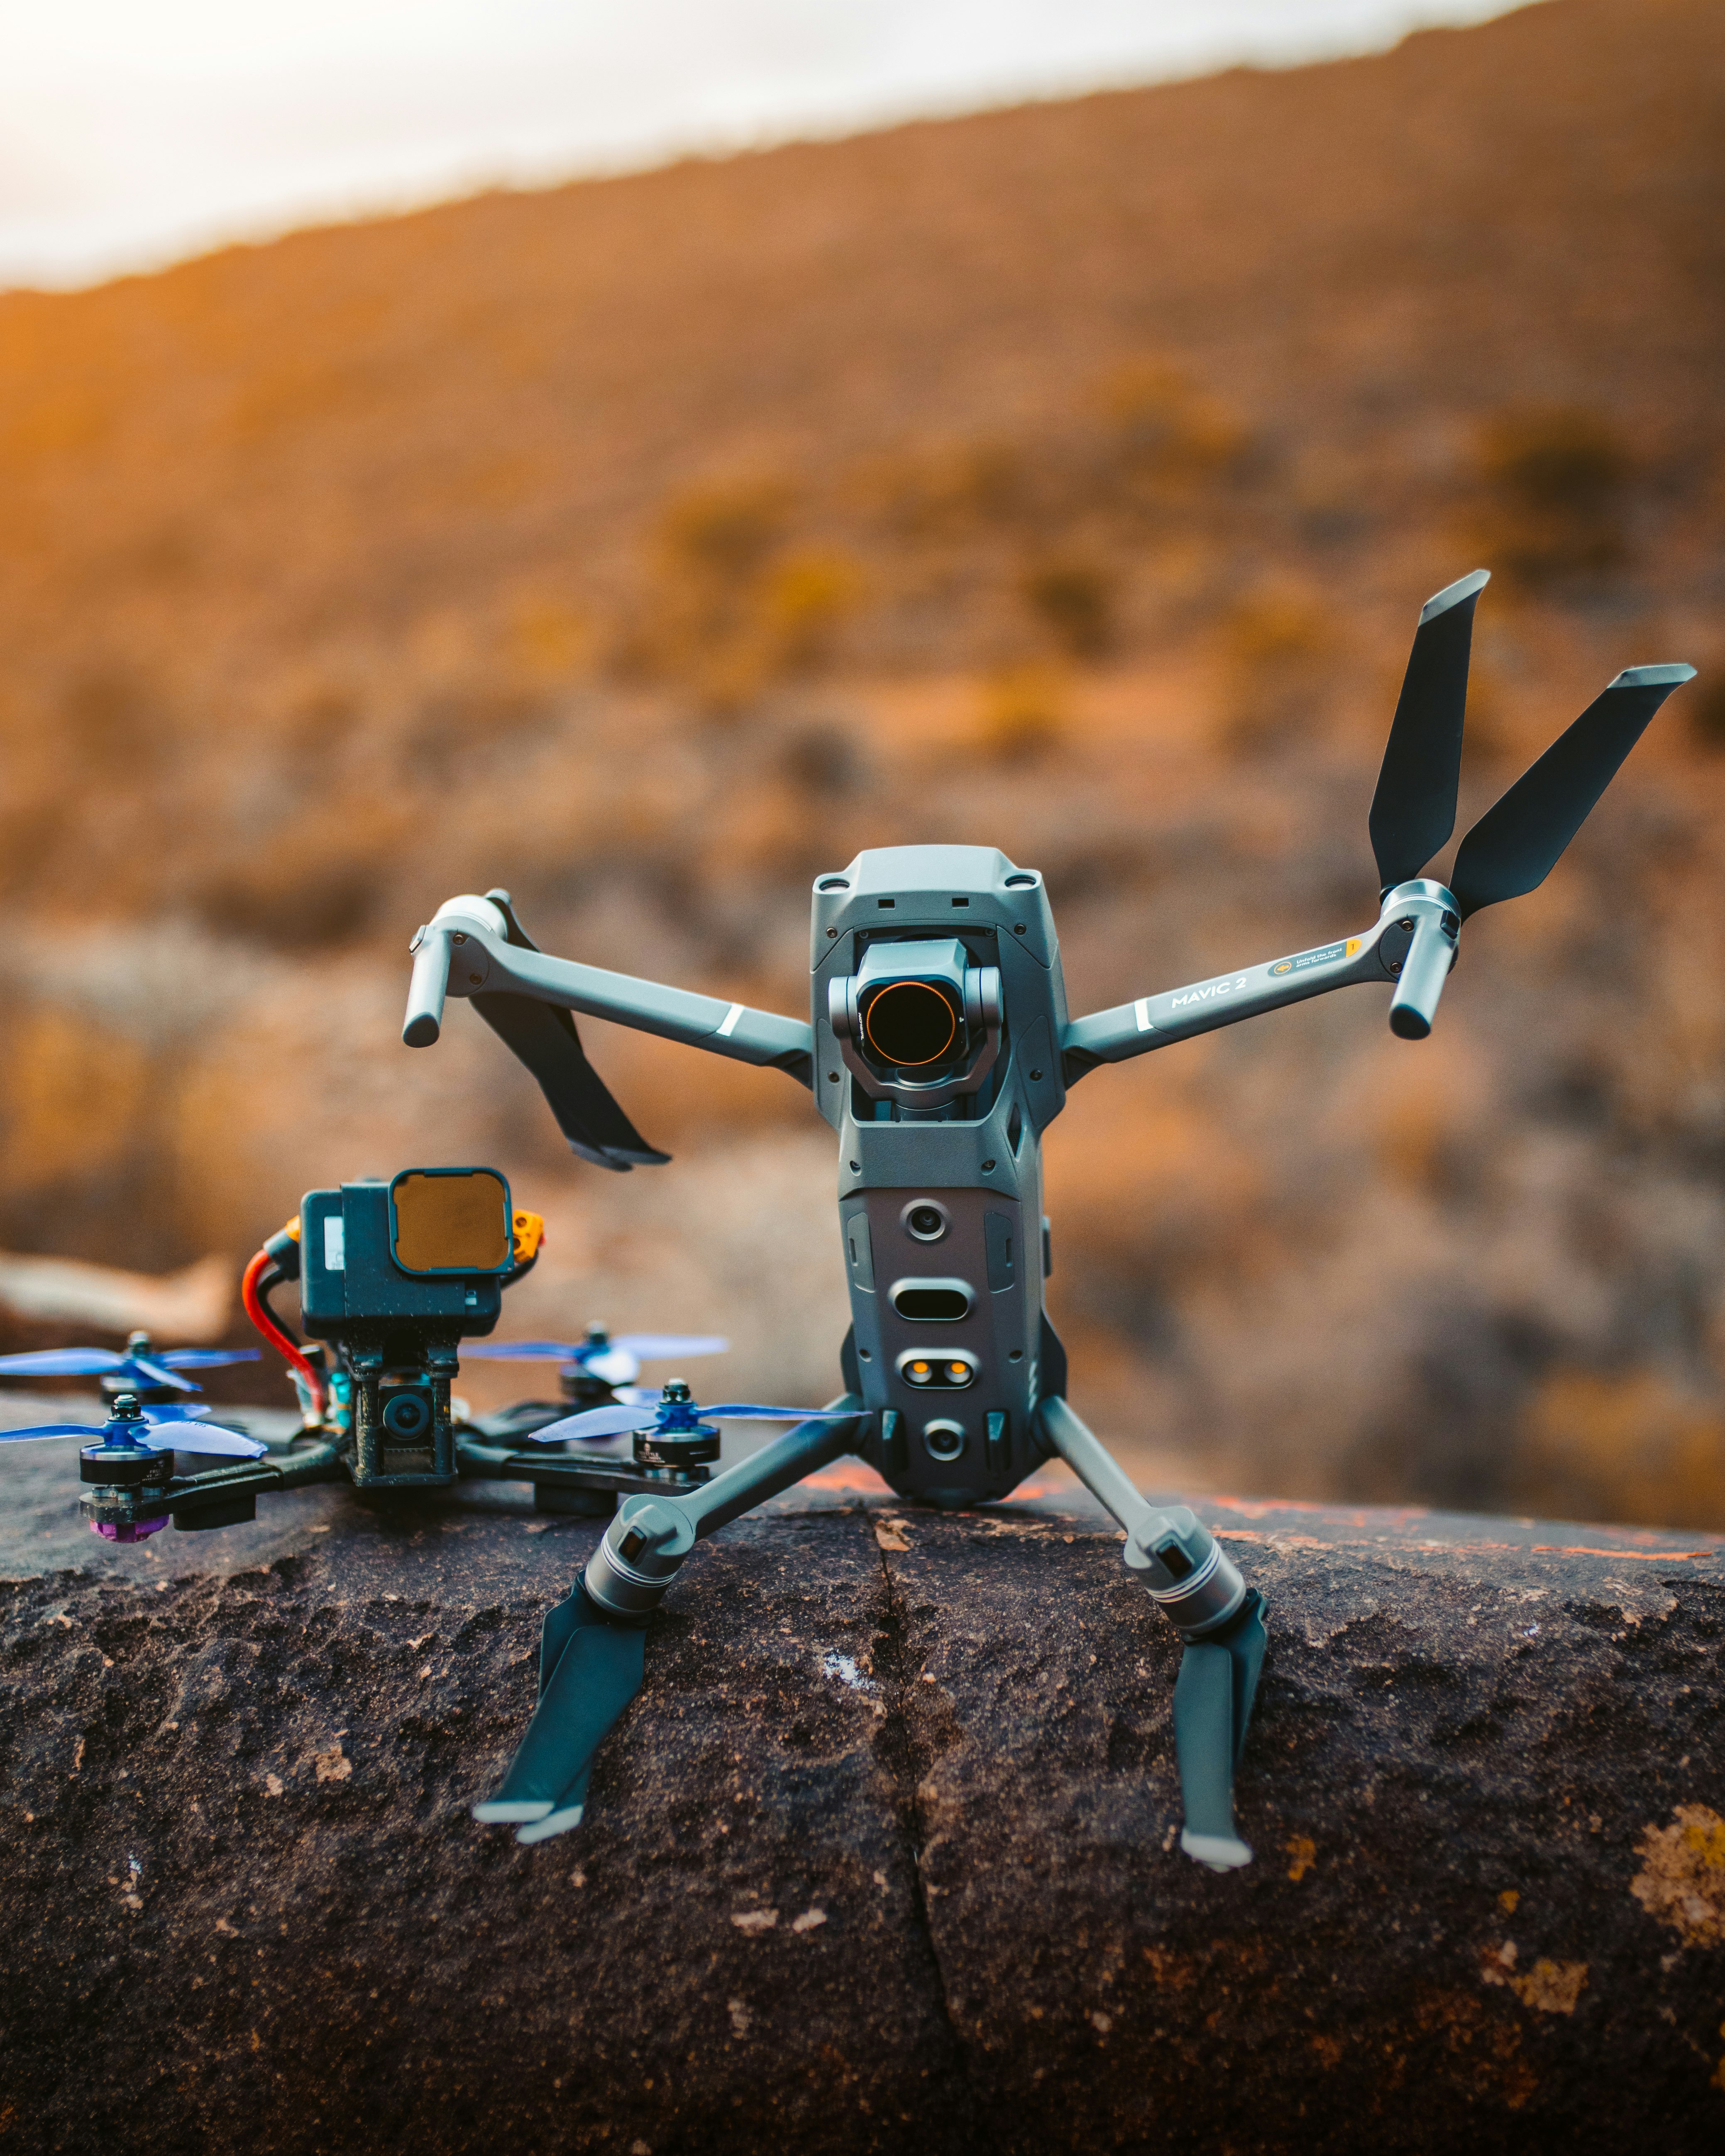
{"x": 1452, "y": 595}
{"x": 1654, "y": 677}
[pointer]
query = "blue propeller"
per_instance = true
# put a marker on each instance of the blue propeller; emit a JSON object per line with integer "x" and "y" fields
{"x": 675, "y": 1414}
{"x": 137, "y": 1367}
{"x": 612, "y": 1361}
{"x": 153, "y": 1433}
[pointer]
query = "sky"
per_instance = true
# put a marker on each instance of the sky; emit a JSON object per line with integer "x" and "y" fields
{"x": 133, "y": 133}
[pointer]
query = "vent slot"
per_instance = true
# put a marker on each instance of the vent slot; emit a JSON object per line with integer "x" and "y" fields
{"x": 998, "y": 1240}
{"x": 932, "y": 1301}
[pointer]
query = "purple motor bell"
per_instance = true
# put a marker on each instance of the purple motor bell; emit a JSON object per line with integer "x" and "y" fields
{"x": 132, "y": 1531}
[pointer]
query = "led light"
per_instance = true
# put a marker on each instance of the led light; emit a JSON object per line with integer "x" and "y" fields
{"x": 958, "y": 1372}
{"x": 919, "y": 1374}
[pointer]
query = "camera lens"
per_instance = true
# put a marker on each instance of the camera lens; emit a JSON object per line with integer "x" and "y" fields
{"x": 909, "y": 1023}
{"x": 943, "y": 1440}
{"x": 926, "y": 1223}
{"x": 407, "y": 1414}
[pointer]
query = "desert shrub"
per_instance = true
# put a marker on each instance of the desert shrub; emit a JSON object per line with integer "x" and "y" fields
{"x": 1072, "y": 599}
{"x": 730, "y": 608}
{"x": 1023, "y": 713}
{"x": 1554, "y": 484}
{"x": 1274, "y": 650}
{"x": 804, "y": 600}
{"x": 948, "y": 491}
{"x": 819, "y": 760}
{"x": 550, "y": 638}
{"x": 1167, "y": 435}
{"x": 309, "y": 888}
{"x": 721, "y": 532}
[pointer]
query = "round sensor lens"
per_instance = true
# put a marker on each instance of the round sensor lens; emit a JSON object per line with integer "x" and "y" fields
{"x": 408, "y": 1414}
{"x": 943, "y": 1440}
{"x": 926, "y": 1223}
{"x": 910, "y": 1024}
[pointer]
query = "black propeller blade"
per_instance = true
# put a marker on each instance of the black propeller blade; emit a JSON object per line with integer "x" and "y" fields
{"x": 1414, "y": 809}
{"x": 544, "y": 1037}
{"x": 1517, "y": 842}
{"x": 1213, "y": 1704}
{"x": 590, "y": 1668}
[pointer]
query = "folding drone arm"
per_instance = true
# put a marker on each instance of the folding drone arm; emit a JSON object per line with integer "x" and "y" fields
{"x": 475, "y": 946}
{"x": 1413, "y": 944}
{"x": 473, "y": 959}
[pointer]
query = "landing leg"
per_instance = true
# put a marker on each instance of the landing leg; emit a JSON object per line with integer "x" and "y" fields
{"x": 1215, "y": 1613}
{"x": 589, "y": 1670}
{"x": 593, "y": 1648}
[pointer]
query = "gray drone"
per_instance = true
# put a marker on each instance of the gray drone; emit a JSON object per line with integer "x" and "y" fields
{"x": 939, "y": 1048}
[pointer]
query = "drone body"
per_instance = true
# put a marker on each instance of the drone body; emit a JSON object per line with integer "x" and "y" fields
{"x": 937, "y": 1002}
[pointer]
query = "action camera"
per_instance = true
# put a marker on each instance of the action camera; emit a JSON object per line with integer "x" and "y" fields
{"x": 394, "y": 1275}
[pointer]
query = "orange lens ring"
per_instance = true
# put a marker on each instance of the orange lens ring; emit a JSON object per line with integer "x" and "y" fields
{"x": 922, "y": 988}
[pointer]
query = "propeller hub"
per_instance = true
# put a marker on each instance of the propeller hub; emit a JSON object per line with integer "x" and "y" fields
{"x": 124, "y": 1454}
{"x": 1398, "y": 896}
{"x": 678, "y": 1438}
{"x": 676, "y": 1407}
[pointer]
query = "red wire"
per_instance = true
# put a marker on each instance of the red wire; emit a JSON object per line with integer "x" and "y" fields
{"x": 271, "y": 1331}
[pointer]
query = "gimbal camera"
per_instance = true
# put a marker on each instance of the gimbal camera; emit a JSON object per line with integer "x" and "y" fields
{"x": 939, "y": 1047}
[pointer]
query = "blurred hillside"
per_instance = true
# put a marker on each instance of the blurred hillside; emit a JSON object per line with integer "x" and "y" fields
{"x": 1066, "y": 479}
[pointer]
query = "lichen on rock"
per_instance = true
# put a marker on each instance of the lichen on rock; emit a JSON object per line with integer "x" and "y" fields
{"x": 1682, "y": 1878}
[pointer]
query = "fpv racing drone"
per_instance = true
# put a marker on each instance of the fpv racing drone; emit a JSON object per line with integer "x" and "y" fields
{"x": 393, "y": 1278}
{"x": 939, "y": 1048}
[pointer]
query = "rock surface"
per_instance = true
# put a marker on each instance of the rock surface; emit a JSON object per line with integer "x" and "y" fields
{"x": 883, "y": 1857}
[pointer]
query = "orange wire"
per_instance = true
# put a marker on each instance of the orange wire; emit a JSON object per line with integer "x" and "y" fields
{"x": 271, "y": 1331}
